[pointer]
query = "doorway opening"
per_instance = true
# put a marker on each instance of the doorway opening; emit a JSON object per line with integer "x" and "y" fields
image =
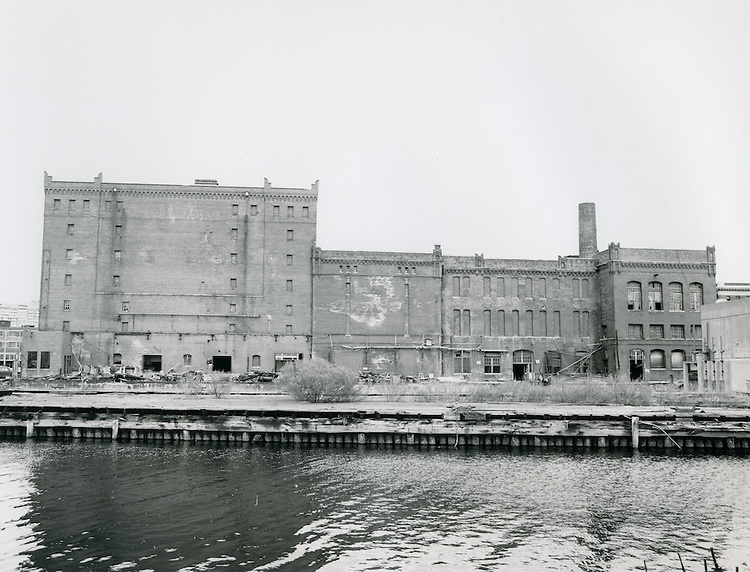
{"x": 636, "y": 365}
{"x": 222, "y": 363}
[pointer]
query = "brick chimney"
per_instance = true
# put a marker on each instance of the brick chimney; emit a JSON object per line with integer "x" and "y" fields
{"x": 587, "y": 230}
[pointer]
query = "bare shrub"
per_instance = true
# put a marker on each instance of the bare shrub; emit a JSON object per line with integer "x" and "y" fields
{"x": 319, "y": 381}
{"x": 191, "y": 382}
{"x": 218, "y": 385}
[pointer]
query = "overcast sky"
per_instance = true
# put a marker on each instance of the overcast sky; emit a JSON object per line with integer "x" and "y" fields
{"x": 479, "y": 126}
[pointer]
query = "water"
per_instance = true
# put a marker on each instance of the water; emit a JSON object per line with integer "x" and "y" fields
{"x": 102, "y": 506}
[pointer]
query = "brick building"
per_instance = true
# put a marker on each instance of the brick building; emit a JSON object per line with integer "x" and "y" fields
{"x": 165, "y": 277}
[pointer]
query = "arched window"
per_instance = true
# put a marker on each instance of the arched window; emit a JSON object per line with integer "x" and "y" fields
{"x": 636, "y": 364}
{"x": 696, "y": 296}
{"x": 655, "y": 297}
{"x": 657, "y": 359}
{"x": 634, "y": 296}
{"x": 256, "y": 361}
{"x": 675, "y": 297}
{"x": 678, "y": 359}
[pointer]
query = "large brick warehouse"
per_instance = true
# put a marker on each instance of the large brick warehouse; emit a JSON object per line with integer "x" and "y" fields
{"x": 172, "y": 277}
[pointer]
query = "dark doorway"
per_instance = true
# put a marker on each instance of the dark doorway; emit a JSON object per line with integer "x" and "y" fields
{"x": 636, "y": 365}
{"x": 519, "y": 371}
{"x": 152, "y": 363}
{"x": 222, "y": 363}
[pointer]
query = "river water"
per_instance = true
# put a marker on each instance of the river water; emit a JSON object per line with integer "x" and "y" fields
{"x": 187, "y": 507}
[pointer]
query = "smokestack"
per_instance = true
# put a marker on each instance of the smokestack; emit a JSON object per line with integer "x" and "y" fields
{"x": 587, "y": 230}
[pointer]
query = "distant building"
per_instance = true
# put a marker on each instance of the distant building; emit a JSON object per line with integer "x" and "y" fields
{"x": 10, "y": 346}
{"x": 170, "y": 277}
{"x": 20, "y": 315}
{"x": 724, "y": 363}
{"x": 733, "y": 290}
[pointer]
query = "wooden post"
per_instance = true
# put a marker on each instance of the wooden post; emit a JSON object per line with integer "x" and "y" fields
{"x": 634, "y": 431}
{"x": 29, "y": 428}
{"x": 115, "y": 429}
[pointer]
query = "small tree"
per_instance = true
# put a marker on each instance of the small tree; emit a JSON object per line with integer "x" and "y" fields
{"x": 318, "y": 381}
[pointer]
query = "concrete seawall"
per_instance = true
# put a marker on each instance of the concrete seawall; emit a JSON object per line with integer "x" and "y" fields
{"x": 263, "y": 419}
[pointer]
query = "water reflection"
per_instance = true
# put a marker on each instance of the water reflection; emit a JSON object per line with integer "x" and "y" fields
{"x": 99, "y": 506}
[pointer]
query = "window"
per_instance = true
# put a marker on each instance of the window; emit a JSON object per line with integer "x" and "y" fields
{"x": 118, "y": 255}
{"x": 541, "y": 288}
{"x": 543, "y": 323}
{"x": 108, "y": 206}
{"x": 677, "y": 332}
{"x": 501, "y": 322}
{"x": 233, "y": 258}
{"x": 555, "y": 283}
{"x": 577, "y": 324}
{"x": 255, "y": 361}
{"x": 290, "y": 285}
{"x": 585, "y": 288}
{"x": 235, "y": 233}
{"x": 31, "y": 360}
{"x": 657, "y": 359}
{"x": 576, "y": 288}
{"x": 456, "y": 322}
{"x": 466, "y": 326}
{"x": 677, "y": 359}
{"x": 288, "y": 329}
{"x": 466, "y": 286}
{"x": 276, "y": 210}
{"x": 462, "y": 362}
{"x": 501, "y": 287}
{"x": 115, "y": 281}
{"x": 187, "y": 359}
{"x": 695, "y": 332}
{"x": 456, "y": 285}
{"x": 655, "y": 300}
{"x": 492, "y": 362}
{"x": 487, "y": 322}
{"x": 305, "y": 212}
{"x": 120, "y": 206}
{"x": 232, "y": 328}
{"x": 635, "y": 331}
{"x": 69, "y": 254}
{"x": 56, "y": 204}
{"x": 556, "y": 323}
{"x": 86, "y": 205}
{"x": 253, "y": 210}
{"x": 521, "y": 288}
{"x": 123, "y": 326}
{"x": 71, "y": 229}
{"x": 514, "y": 287}
{"x": 529, "y": 287}
{"x": 634, "y": 296}
{"x": 585, "y": 332}
{"x": 72, "y": 206}
{"x": 117, "y": 359}
{"x": 68, "y": 279}
{"x": 290, "y": 211}
{"x": 44, "y": 360}
{"x": 289, "y": 310}
{"x": 66, "y": 305}
{"x": 696, "y": 296}
{"x": 289, "y": 235}
{"x": 656, "y": 331}
{"x": 66, "y": 326}
{"x": 125, "y": 306}
{"x": 515, "y": 318}
{"x": 529, "y": 322}
{"x": 235, "y": 209}
{"x": 118, "y": 230}
{"x": 233, "y": 284}
{"x": 486, "y": 286}
{"x": 675, "y": 297}
{"x": 289, "y": 259}
{"x": 232, "y": 308}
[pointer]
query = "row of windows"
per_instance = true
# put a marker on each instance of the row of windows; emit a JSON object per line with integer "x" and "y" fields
{"x": 494, "y": 323}
{"x": 658, "y": 359}
{"x": 37, "y": 360}
{"x": 657, "y": 331}
{"x": 518, "y": 287}
{"x": 231, "y": 327}
{"x": 675, "y": 301}
{"x": 86, "y": 207}
{"x": 117, "y": 256}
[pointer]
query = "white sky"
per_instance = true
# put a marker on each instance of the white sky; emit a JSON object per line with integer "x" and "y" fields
{"x": 479, "y": 126}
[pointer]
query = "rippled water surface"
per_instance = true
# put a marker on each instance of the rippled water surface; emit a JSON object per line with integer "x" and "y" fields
{"x": 101, "y": 506}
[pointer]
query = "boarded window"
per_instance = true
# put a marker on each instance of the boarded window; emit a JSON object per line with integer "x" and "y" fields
{"x": 656, "y": 331}
{"x": 657, "y": 359}
{"x": 677, "y": 358}
{"x": 255, "y": 361}
{"x": 677, "y": 331}
{"x": 635, "y": 331}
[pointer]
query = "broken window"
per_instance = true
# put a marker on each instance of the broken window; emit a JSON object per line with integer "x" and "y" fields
{"x": 696, "y": 296}
{"x": 152, "y": 363}
{"x": 255, "y": 361}
{"x": 66, "y": 305}
{"x": 675, "y": 297}
{"x": 233, "y": 257}
{"x": 655, "y": 299}
{"x": 656, "y": 331}
{"x": 31, "y": 360}
{"x": 43, "y": 360}
{"x": 634, "y": 296}
{"x": 635, "y": 331}
{"x": 68, "y": 279}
